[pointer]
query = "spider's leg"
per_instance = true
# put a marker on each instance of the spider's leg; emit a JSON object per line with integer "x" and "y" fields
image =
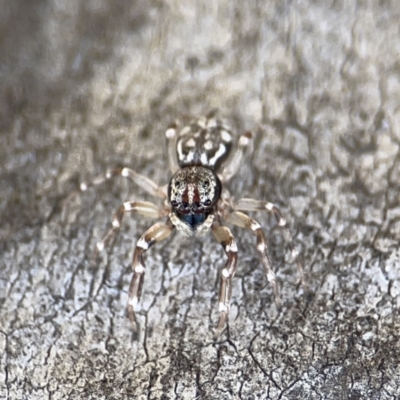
{"x": 256, "y": 205}
{"x": 156, "y": 233}
{"x": 141, "y": 207}
{"x": 244, "y": 221}
{"x": 226, "y": 239}
{"x": 233, "y": 165}
{"x": 171, "y": 136}
{"x": 142, "y": 181}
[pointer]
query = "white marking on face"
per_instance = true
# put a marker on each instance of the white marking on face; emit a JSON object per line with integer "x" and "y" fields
{"x": 190, "y": 192}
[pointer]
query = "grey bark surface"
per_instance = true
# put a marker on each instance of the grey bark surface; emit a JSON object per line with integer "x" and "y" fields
{"x": 86, "y": 86}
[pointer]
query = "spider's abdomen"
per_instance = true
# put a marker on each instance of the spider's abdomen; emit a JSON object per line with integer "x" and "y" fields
{"x": 204, "y": 142}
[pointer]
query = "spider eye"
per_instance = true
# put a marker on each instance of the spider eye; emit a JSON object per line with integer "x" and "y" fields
{"x": 174, "y": 203}
{"x": 184, "y": 205}
{"x": 207, "y": 202}
{"x": 198, "y": 207}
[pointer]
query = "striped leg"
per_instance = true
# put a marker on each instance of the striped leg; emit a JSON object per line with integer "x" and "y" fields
{"x": 142, "y": 181}
{"x": 156, "y": 233}
{"x": 226, "y": 239}
{"x": 233, "y": 165}
{"x": 142, "y": 207}
{"x": 256, "y": 205}
{"x": 145, "y": 183}
{"x": 244, "y": 221}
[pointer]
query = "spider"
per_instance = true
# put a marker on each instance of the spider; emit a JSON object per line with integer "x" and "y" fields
{"x": 195, "y": 202}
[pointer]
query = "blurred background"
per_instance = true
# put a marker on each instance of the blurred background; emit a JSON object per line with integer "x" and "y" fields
{"x": 86, "y": 86}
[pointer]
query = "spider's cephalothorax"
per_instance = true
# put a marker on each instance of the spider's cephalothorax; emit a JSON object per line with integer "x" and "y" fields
{"x": 193, "y": 204}
{"x": 193, "y": 193}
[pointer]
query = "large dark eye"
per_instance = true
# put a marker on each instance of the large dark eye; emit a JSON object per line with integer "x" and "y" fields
{"x": 207, "y": 202}
{"x": 184, "y": 205}
{"x": 174, "y": 203}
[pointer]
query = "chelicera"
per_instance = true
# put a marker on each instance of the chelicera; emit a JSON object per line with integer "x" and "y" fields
{"x": 194, "y": 203}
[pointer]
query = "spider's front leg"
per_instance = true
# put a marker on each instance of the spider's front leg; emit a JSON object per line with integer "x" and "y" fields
{"x": 141, "y": 207}
{"x": 226, "y": 239}
{"x": 156, "y": 233}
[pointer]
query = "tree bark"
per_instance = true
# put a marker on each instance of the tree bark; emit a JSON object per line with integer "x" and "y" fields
{"x": 87, "y": 86}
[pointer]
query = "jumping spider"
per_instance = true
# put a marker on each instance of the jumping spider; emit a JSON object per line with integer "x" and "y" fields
{"x": 195, "y": 202}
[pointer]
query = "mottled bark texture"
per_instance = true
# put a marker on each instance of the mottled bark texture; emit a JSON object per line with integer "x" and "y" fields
{"x": 89, "y": 85}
